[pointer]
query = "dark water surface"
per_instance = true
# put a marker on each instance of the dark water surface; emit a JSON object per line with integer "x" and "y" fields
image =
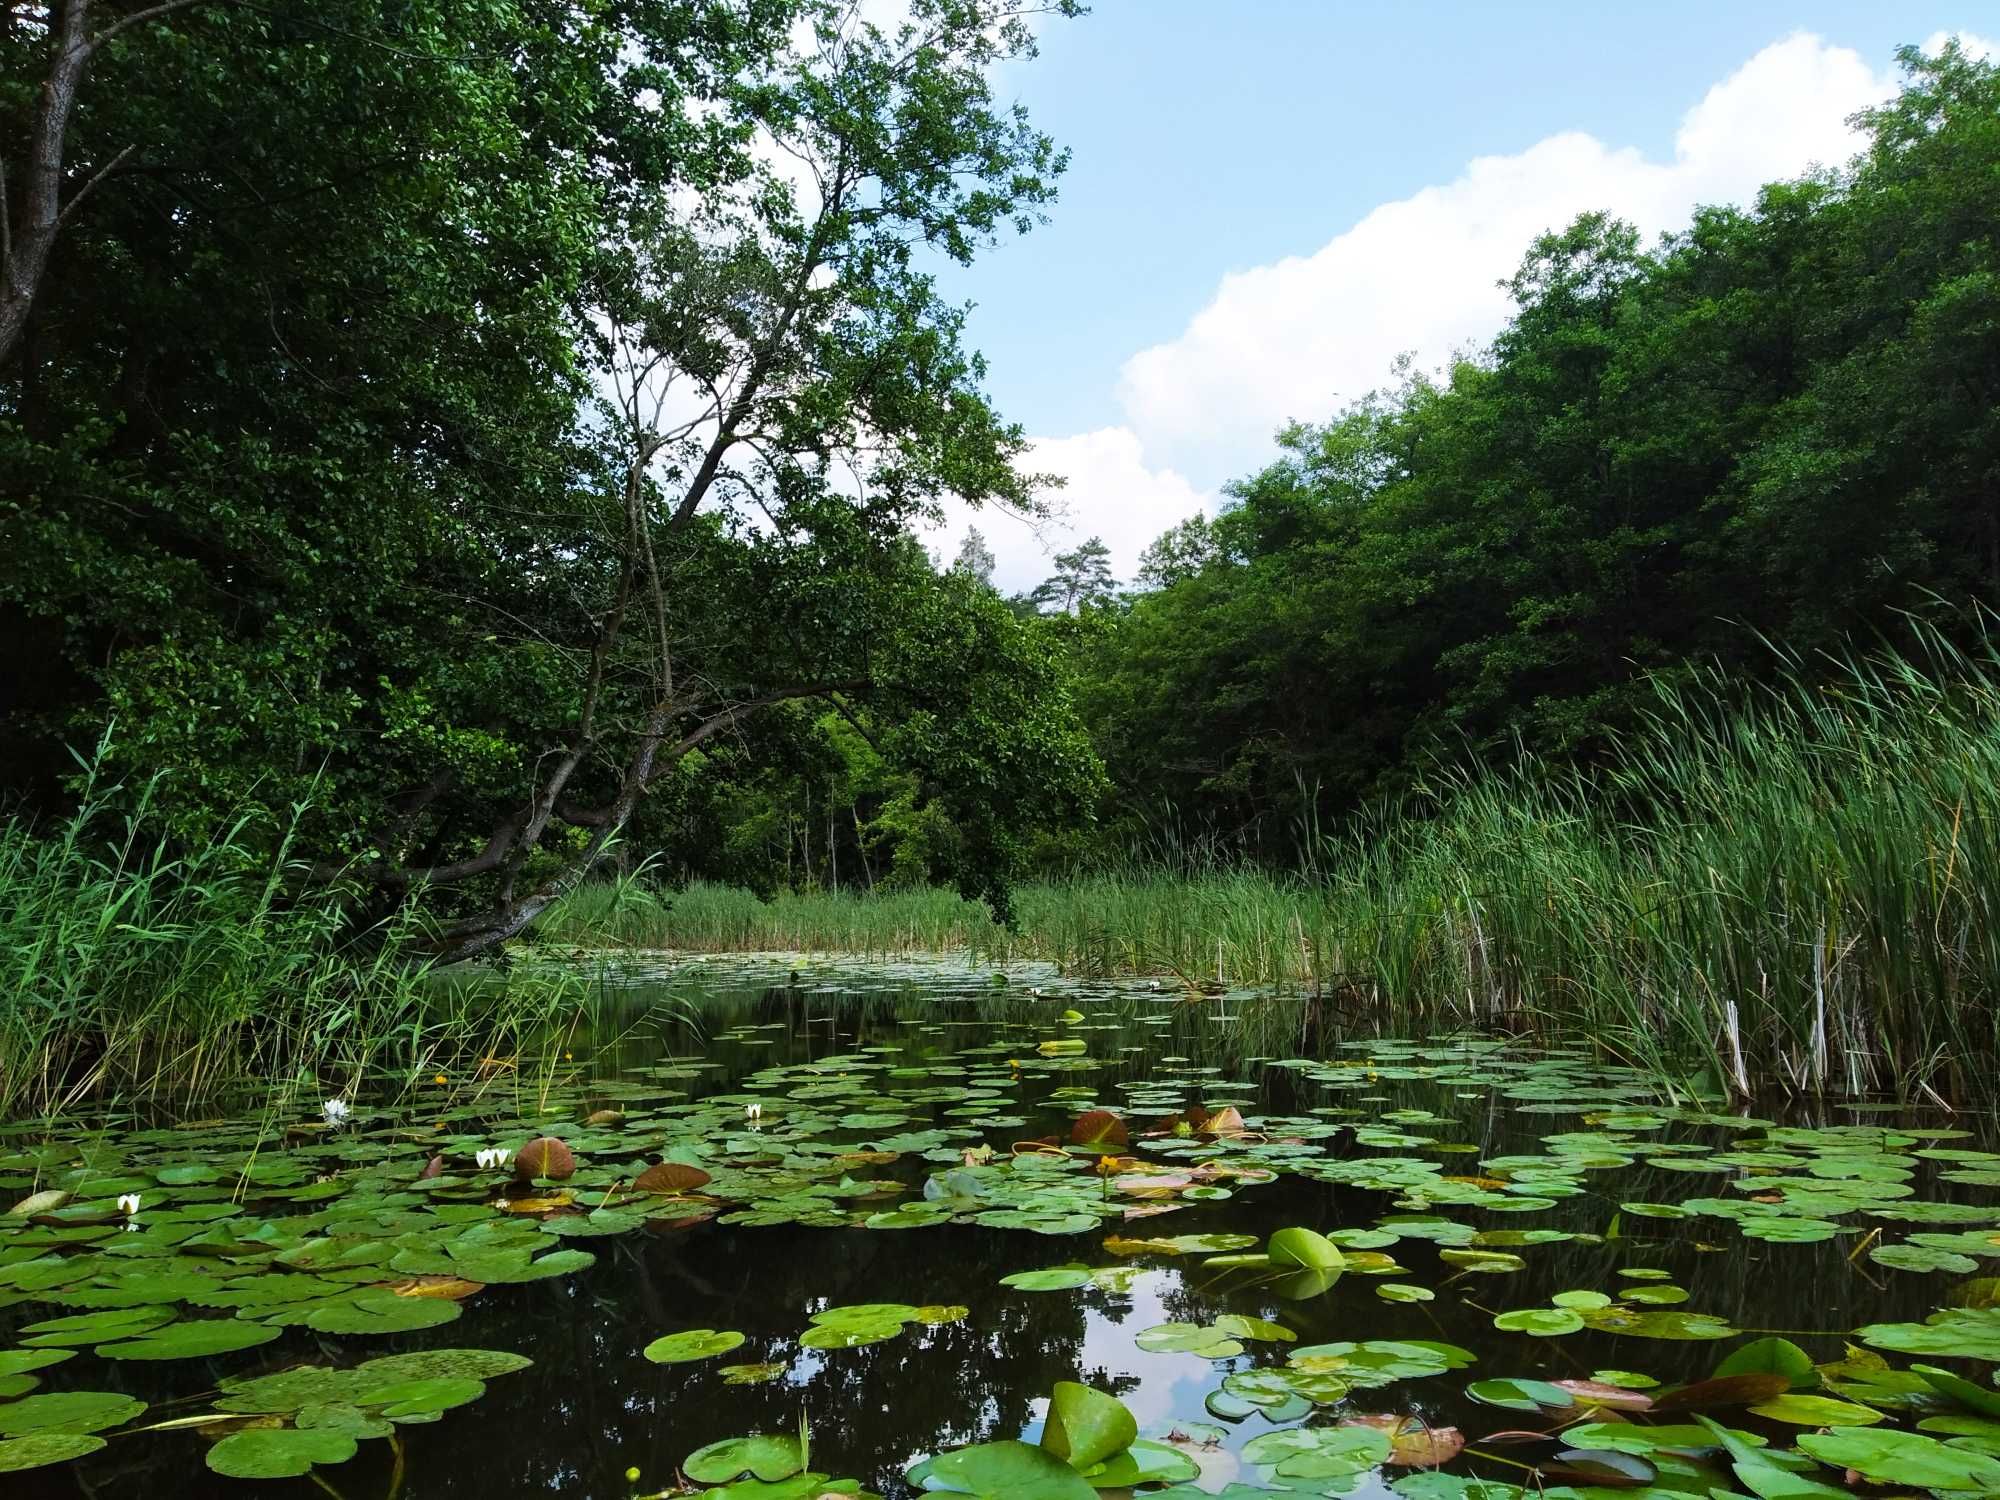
{"x": 592, "y": 1409}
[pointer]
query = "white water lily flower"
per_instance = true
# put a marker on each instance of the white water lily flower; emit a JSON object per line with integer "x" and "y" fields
{"x": 128, "y": 1203}
{"x": 495, "y": 1156}
{"x": 335, "y": 1111}
{"x": 753, "y": 1111}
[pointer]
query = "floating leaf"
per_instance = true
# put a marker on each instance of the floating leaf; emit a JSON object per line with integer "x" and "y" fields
{"x": 199, "y": 1340}
{"x": 1006, "y": 1471}
{"x": 1086, "y": 1426}
{"x": 374, "y": 1313}
{"x": 671, "y": 1177}
{"x": 1319, "y": 1452}
{"x": 1058, "y": 1279}
{"x": 67, "y": 1411}
{"x": 1397, "y": 1291}
{"x": 426, "y": 1397}
{"x": 1816, "y": 1411}
{"x": 1542, "y": 1322}
{"x": 768, "y": 1459}
{"x": 1884, "y": 1456}
{"x": 1414, "y": 1444}
{"x": 1959, "y": 1389}
{"x": 279, "y": 1452}
{"x": 695, "y": 1343}
{"x": 754, "y": 1374}
{"x": 42, "y": 1448}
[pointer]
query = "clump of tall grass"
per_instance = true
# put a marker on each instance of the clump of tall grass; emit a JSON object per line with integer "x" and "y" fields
{"x": 134, "y": 966}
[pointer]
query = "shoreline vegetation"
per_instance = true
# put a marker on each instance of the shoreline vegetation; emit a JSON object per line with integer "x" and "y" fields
{"x": 135, "y": 966}
{"x": 1802, "y": 894}
{"x": 1797, "y": 892}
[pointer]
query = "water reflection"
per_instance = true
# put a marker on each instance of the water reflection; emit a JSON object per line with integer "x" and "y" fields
{"x": 592, "y": 1409}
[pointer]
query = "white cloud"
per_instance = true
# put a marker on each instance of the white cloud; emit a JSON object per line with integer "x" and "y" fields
{"x": 1304, "y": 335}
{"x": 1975, "y": 46}
{"x": 1110, "y": 492}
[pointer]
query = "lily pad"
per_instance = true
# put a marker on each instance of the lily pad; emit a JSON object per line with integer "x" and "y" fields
{"x": 67, "y": 1412}
{"x": 765, "y": 1458}
{"x": 43, "y": 1448}
{"x": 1886, "y": 1456}
{"x": 1004, "y": 1471}
{"x": 1086, "y": 1426}
{"x": 693, "y": 1344}
{"x": 279, "y": 1452}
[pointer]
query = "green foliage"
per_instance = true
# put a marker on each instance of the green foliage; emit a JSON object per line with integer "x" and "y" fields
{"x": 340, "y": 465}
{"x": 133, "y": 962}
{"x": 1780, "y": 424}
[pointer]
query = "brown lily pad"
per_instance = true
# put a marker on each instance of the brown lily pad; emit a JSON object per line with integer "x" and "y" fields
{"x": 450, "y": 1288}
{"x": 545, "y": 1157}
{"x": 1724, "y": 1390}
{"x": 671, "y": 1177}
{"x": 1600, "y": 1393}
{"x": 1413, "y": 1443}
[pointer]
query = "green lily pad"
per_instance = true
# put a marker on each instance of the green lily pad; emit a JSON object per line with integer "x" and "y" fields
{"x": 695, "y": 1343}
{"x": 445, "y": 1364}
{"x": 1815, "y": 1411}
{"x": 1885, "y": 1456}
{"x": 421, "y": 1398}
{"x": 191, "y": 1340}
{"x": 67, "y": 1412}
{"x": 1960, "y": 1390}
{"x": 1006, "y": 1471}
{"x": 1319, "y": 1452}
{"x": 280, "y": 1452}
{"x": 380, "y": 1313}
{"x": 768, "y": 1459}
{"x": 754, "y": 1374}
{"x": 1057, "y": 1279}
{"x": 1188, "y": 1338}
{"x": 43, "y": 1448}
{"x": 1542, "y": 1322}
{"x": 1086, "y": 1426}
{"x": 1398, "y": 1291}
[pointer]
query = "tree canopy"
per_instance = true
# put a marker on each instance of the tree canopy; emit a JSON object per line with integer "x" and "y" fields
{"x": 1780, "y": 426}
{"x": 448, "y": 417}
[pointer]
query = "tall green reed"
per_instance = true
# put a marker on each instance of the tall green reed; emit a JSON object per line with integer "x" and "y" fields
{"x": 139, "y": 967}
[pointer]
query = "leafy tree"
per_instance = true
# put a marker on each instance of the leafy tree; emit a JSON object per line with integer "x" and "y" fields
{"x": 454, "y": 417}
{"x": 1082, "y": 580}
{"x": 1177, "y": 553}
{"x": 1778, "y": 426}
{"x": 975, "y": 558}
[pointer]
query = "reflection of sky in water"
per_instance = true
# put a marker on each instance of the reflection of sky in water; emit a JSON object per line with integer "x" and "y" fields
{"x": 591, "y": 1406}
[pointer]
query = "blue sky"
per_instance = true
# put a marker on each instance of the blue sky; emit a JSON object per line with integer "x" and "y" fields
{"x": 1203, "y": 276}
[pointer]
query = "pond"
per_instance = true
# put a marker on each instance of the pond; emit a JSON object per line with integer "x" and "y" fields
{"x": 876, "y": 1219}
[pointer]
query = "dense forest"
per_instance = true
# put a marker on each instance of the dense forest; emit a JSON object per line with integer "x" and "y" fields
{"x": 481, "y": 443}
{"x": 1763, "y": 446}
{"x": 451, "y": 421}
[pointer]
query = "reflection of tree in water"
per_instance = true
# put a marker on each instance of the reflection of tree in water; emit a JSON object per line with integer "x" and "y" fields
{"x": 592, "y": 1407}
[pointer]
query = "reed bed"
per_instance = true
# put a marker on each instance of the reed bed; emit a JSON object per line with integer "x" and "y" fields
{"x": 135, "y": 967}
{"x": 1799, "y": 891}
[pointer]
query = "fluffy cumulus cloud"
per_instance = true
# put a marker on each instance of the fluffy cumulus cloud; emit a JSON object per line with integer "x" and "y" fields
{"x": 1303, "y": 335}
